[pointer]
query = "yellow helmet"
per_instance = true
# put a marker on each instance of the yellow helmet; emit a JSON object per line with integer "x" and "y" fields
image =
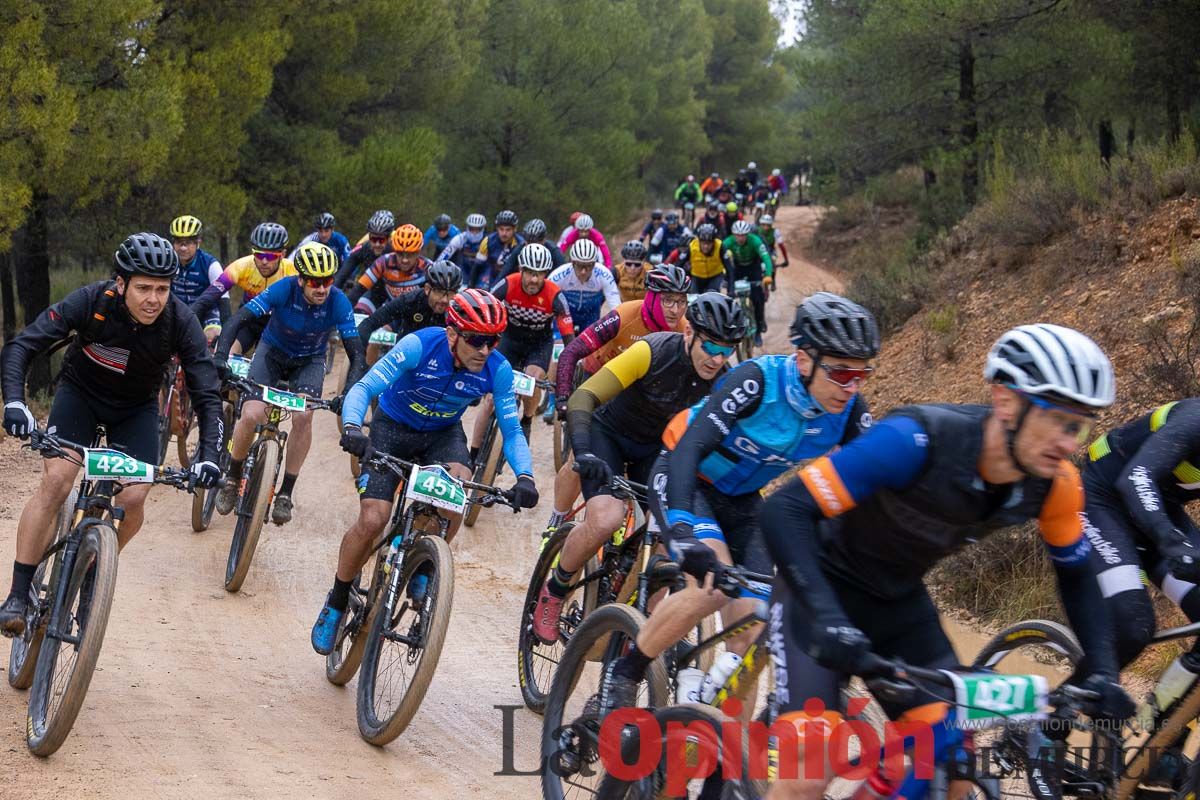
{"x": 315, "y": 260}
{"x": 185, "y": 227}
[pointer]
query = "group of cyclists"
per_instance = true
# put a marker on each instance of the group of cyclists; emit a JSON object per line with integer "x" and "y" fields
{"x": 647, "y": 391}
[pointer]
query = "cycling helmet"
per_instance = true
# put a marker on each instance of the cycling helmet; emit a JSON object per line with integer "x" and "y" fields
{"x": 146, "y": 254}
{"x": 476, "y": 221}
{"x": 718, "y": 317}
{"x": 574, "y": 216}
{"x": 315, "y": 260}
{"x": 742, "y": 227}
{"x": 685, "y": 240}
{"x": 444, "y": 275}
{"x": 381, "y": 223}
{"x": 325, "y": 220}
{"x": 691, "y": 177}
{"x": 269, "y": 236}
{"x": 766, "y": 219}
{"x": 185, "y": 227}
{"x": 776, "y": 172}
{"x": 584, "y": 250}
{"x": 584, "y": 223}
{"x": 713, "y": 205}
{"x": 407, "y": 239}
{"x": 731, "y": 207}
{"x": 832, "y": 325}
{"x": 714, "y": 175}
{"x": 535, "y": 229}
{"x": 477, "y": 311}
{"x": 441, "y": 222}
{"x": 671, "y": 217}
{"x": 668, "y": 278}
{"x": 655, "y": 259}
{"x": 507, "y": 217}
{"x": 751, "y": 165}
{"x": 656, "y": 214}
{"x": 633, "y": 251}
{"x": 535, "y": 258}
{"x": 1053, "y": 362}
{"x": 706, "y": 232}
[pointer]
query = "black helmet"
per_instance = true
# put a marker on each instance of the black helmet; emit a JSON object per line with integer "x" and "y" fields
{"x": 707, "y": 232}
{"x": 442, "y": 222}
{"x": 507, "y": 217}
{"x": 656, "y": 214}
{"x": 269, "y": 236}
{"x": 381, "y": 223}
{"x": 146, "y": 254}
{"x": 633, "y": 251}
{"x": 535, "y": 230}
{"x": 444, "y": 275}
{"x": 325, "y": 220}
{"x": 832, "y": 325}
{"x": 718, "y": 317}
{"x": 671, "y": 217}
{"x": 713, "y": 205}
{"x": 668, "y": 278}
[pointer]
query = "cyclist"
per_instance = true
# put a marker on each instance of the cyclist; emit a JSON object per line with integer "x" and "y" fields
{"x": 533, "y": 304}
{"x": 752, "y": 173}
{"x": 703, "y": 259}
{"x": 494, "y": 250}
{"x": 439, "y": 234}
{"x": 687, "y": 192}
{"x": 713, "y": 215}
{"x": 197, "y": 271}
{"x": 771, "y": 238}
{"x": 710, "y": 186}
{"x": 324, "y": 233}
{"x": 264, "y": 267}
{"x": 747, "y": 258}
{"x": 575, "y": 215}
{"x": 668, "y": 236}
{"x": 535, "y": 233}
{"x": 662, "y": 309}
{"x": 402, "y": 271}
{"x": 379, "y": 231}
{"x": 424, "y": 385}
{"x": 586, "y": 287}
{"x": 462, "y": 248}
{"x": 585, "y": 229}
{"x": 125, "y": 334}
{"x": 300, "y": 315}
{"x": 656, "y": 221}
{"x": 630, "y": 275}
{"x": 414, "y": 310}
{"x": 617, "y": 418}
{"x": 920, "y": 485}
{"x": 725, "y": 195}
{"x": 767, "y": 416}
{"x": 777, "y": 184}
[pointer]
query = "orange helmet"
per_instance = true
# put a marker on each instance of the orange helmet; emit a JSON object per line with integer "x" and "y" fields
{"x": 477, "y": 311}
{"x": 407, "y": 239}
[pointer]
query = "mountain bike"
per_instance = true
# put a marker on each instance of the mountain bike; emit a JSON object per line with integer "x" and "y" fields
{"x": 490, "y": 461}
{"x": 68, "y": 612}
{"x": 689, "y": 214}
{"x": 399, "y": 623}
{"x": 562, "y": 436}
{"x": 260, "y": 471}
{"x": 204, "y": 501}
{"x": 745, "y": 347}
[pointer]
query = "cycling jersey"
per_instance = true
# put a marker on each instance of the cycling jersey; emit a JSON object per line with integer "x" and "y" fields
{"x": 438, "y": 241}
{"x": 404, "y": 314}
{"x": 711, "y": 185}
{"x": 631, "y": 283}
{"x": 298, "y": 328}
{"x": 490, "y": 258}
{"x": 705, "y": 266}
{"x": 665, "y": 240}
{"x": 573, "y": 235}
{"x": 360, "y": 258}
{"x": 603, "y": 341}
{"x": 338, "y": 243}
{"x": 419, "y": 386}
{"x": 750, "y": 260}
{"x": 462, "y": 249}
{"x": 585, "y": 299}
{"x": 776, "y": 183}
{"x": 245, "y": 274}
{"x": 688, "y": 192}
{"x": 511, "y": 266}
{"x": 193, "y": 278}
{"x": 759, "y": 422}
{"x": 387, "y": 270}
{"x": 531, "y": 316}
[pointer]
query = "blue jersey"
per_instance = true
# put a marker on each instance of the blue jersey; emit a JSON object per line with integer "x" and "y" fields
{"x": 192, "y": 279}
{"x": 297, "y": 327}
{"x": 440, "y": 243}
{"x": 338, "y": 243}
{"x": 418, "y": 385}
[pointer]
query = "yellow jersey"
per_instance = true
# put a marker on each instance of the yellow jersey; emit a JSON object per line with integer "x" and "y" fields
{"x": 245, "y": 274}
{"x": 703, "y": 266}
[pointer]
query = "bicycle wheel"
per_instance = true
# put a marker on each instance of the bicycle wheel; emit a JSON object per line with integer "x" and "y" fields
{"x": 570, "y": 729}
{"x": 536, "y": 660}
{"x": 405, "y": 643}
{"x": 64, "y": 668}
{"x": 164, "y": 423}
{"x": 350, "y": 641}
{"x": 187, "y": 419}
{"x": 485, "y": 471}
{"x": 23, "y": 654}
{"x": 259, "y": 489}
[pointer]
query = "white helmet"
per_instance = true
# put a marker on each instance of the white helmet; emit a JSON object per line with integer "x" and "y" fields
{"x": 1052, "y": 361}
{"x": 535, "y": 258}
{"x": 752, "y": 165}
{"x": 584, "y": 223}
{"x": 776, "y": 172}
{"x": 476, "y": 221}
{"x": 766, "y": 219}
{"x": 585, "y": 250}
{"x": 742, "y": 227}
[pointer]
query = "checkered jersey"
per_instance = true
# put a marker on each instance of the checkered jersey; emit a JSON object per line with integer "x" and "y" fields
{"x": 532, "y": 315}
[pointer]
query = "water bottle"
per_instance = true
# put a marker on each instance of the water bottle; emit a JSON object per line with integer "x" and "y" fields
{"x": 687, "y": 685}
{"x": 725, "y": 665}
{"x": 1172, "y": 685}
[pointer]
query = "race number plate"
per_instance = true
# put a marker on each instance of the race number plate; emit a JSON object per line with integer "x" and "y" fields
{"x": 987, "y": 696}
{"x": 524, "y": 385}
{"x": 292, "y": 402}
{"x": 109, "y": 465}
{"x": 383, "y": 337}
{"x": 437, "y": 487}
{"x": 239, "y": 367}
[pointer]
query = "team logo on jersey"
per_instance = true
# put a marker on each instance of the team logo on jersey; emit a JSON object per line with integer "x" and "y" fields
{"x": 418, "y": 318}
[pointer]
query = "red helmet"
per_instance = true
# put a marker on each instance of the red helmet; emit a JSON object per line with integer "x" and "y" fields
{"x": 477, "y": 311}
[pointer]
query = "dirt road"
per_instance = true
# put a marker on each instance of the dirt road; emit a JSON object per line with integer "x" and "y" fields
{"x": 200, "y": 693}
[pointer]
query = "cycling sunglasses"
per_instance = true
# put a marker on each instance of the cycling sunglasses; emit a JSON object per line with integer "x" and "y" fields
{"x": 846, "y": 377}
{"x": 319, "y": 282}
{"x": 268, "y": 255}
{"x": 713, "y": 349}
{"x": 377, "y": 239}
{"x": 1079, "y": 424}
{"x": 480, "y": 340}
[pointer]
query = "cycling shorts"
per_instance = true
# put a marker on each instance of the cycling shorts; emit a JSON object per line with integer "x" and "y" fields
{"x": 74, "y": 415}
{"x": 623, "y": 456}
{"x": 713, "y": 284}
{"x": 731, "y": 519}
{"x": 443, "y": 446}
{"x": 522, "y": 352}
{"x": 251, "y": 331}
{"x": 273, "y": 367}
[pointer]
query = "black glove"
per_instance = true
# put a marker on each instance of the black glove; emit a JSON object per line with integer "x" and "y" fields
{"x": 1114, "y": 704}
{"x": 1183, "y": 560}
{"x": 837, "y": 645}
{"x": 525, "y": 494}
{"x": 354, "y": 441}
{"x": 695, "y": 558}
{"x": 335, "y": 404}
{"x": 560, "y": 410}
{"x": 205, "y": 474}
{"x": 592, "y": 468}
{"x": 18, "y": 419}
{"x": 221, "y": 362}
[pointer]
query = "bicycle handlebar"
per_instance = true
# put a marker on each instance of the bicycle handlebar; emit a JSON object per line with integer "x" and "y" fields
{"x": 623, "y": 488}
{"x": 491, "y": 495}
{"x": 249, "y": 387}
{"x": 56, "y": 447}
